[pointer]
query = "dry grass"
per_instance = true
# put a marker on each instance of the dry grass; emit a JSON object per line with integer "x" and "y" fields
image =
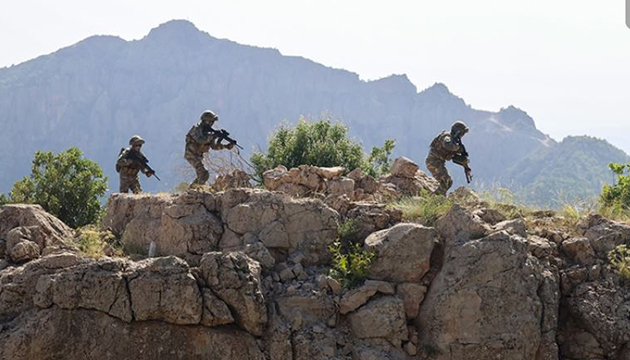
{"x": 424, "y": 209}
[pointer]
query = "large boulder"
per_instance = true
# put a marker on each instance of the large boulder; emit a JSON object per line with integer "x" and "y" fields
{"x": 235, "y": 279}
{"x": 600, "y": 309}
{"x": 404, "y": 167}
{"x": 403, "y": 252}
{"x": 19, "y": 244}
{"x": 163, "y": 289}
{"x": 282, "y": 223}
{"x": 37, "y": 226}
{"x": 485, "y": 303}
{"x": 368, "y": 217}
{"x": 98, "y": 285}
{"x": 382, "y": 318}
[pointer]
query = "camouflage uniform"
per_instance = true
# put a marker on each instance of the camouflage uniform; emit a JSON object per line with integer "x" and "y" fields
{"x": 128, "y": 167}
{"x": 198, "y": 142}
{"x": 442, "y": 149}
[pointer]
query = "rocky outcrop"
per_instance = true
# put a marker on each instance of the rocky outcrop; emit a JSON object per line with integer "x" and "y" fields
{"x": 252, "y": 282}
{"x": 485, "y": 301}
{"x": 27, "y": 230}
{"x": 405, "y": 180}
{"x": 87, "y": 334}
{"x": 196, "y": 222}
{"x": 402, "y": 252}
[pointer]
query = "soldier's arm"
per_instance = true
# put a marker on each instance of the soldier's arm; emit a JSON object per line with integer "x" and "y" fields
{"x": 215, "y": 144}
{"x": 123, "y": 161}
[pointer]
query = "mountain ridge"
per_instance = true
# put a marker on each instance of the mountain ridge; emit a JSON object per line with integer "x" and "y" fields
{"x": 99, "y": 92}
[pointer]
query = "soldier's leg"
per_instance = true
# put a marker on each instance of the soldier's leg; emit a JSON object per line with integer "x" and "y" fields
{"x": 135, "y": 186}
{"x": 197, "y": 163}
{"x": 124, "y": 184}
{"x": 437, "y": 167}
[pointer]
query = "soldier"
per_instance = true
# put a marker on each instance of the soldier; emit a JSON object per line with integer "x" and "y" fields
{"x": 130, "y": 162}
{"x": 199, "y": 141}
{"x": 443, "y": 148}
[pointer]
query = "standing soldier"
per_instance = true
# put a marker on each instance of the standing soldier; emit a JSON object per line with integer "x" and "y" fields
{"x": 199, "y": 140}
{"x": 445, "y": 147}
{"x": 130, "y": 162}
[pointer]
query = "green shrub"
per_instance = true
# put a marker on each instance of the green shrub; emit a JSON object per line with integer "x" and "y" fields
{"x": 90, "y": 241}
{"x": 319, "y": 143}
{"x": 350, "y": 263}
{"x": 619, "y": 258}
{"x": 424, "y": 209}
{"x": 66, "y": 185}
{"x": 615, "y": 199}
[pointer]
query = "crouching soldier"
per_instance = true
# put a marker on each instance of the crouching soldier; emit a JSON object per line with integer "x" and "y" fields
{"x": 130, "y": 162}
{"x": 448, "y": 146}
{"x": 199, "y": 140}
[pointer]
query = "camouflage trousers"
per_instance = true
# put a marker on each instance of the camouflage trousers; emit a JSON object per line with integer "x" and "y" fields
{"x": 130, "y": 183}
{"x": 437, "y": 167}
{"x": 197, "y": 163}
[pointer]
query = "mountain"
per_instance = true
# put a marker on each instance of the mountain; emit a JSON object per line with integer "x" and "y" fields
{"x": 99, "y": 92}
{"x": 570, "y": 171}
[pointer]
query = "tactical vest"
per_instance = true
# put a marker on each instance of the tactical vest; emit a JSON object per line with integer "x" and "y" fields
{"x": 438, "y": 149}
{"x": 130, "y": 170}
{"x": 194, "y": 147}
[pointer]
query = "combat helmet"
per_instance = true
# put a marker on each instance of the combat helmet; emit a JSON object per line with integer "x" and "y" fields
{"x": 459, "y": 129}
{"x": 209, "y": 115}
{"x": 136, "y": 140}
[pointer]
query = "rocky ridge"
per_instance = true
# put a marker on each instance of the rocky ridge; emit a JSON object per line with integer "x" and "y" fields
{"x": 242, "y": 274}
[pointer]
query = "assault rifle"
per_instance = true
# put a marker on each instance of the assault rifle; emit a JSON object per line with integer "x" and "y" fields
{"x": 223, "y": 135}
{"x": 462, "y": 159}
{"x": 134, "y": 155}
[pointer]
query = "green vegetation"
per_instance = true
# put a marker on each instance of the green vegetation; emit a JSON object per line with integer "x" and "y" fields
{"x": 424, "y": 209}
{"x": 66, "y": 185}
{"x": 3, "y": 199}
{"x": 350, "y": 262}
{"x": 619, "y": 258}
{"x": 319, "y": 143}
{"x": 91, "y": 242}
{"x": 504, "y": 201}
{"x": 615, "y": 199}
{"x": 574, "y": 170}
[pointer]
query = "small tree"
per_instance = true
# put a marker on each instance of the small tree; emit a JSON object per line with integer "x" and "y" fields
{"x": 319, "y": 143}
{"x": 615, "y": 198}
{"x": 66, "y": 185}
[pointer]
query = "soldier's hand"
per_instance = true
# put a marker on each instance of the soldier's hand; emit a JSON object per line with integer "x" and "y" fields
{"x": 230, "y": 146}
{"x": 149, "y": 174}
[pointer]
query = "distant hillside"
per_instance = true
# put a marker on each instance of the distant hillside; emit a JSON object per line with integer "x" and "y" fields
{"x": 99, "y": 92}
{"x": 573, "y": 169}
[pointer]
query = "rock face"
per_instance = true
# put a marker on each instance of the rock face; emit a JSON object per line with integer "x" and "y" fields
{"x": 197, "y": 222}
{"x": 27, "y": 230}
{"x": 405, "y": 179}
{"x": 86, "y": 334}
{"x": 252, "y": 281}
{"x": 402, "y": 252}
{"x": 485, "y": 302}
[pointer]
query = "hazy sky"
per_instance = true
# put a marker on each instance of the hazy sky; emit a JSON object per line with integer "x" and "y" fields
{"x": 565, "y": 62}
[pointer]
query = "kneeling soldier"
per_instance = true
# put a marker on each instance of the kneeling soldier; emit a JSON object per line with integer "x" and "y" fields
{"x": 444, "y": 147}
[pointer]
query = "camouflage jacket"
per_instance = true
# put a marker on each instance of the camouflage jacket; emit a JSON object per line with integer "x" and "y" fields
{"x": 200, "y": 141}
{"x": 444, "y": 146}
{"x": 128, "y": 166}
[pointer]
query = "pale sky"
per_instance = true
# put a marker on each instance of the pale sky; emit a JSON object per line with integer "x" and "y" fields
{"x": 565, "y": 62}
